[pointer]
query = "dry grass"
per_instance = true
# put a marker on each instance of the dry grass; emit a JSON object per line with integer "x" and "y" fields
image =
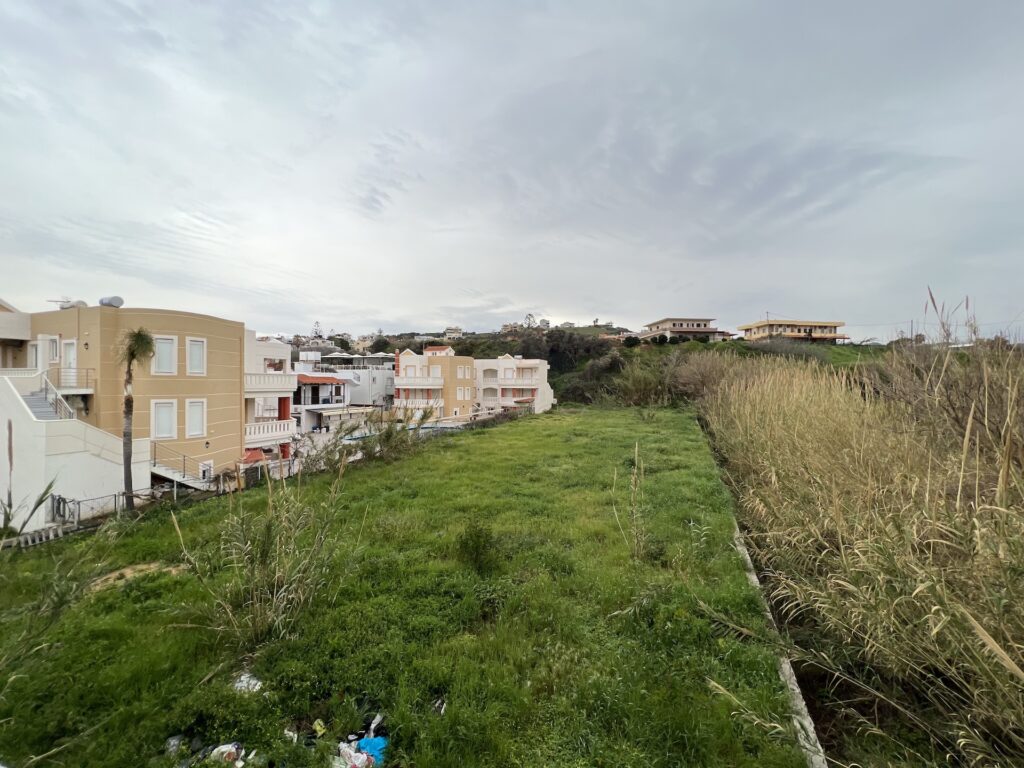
{"x": 887, "y": 507}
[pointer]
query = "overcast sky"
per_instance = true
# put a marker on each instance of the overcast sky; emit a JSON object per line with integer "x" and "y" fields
{"x": 410, "y": 165}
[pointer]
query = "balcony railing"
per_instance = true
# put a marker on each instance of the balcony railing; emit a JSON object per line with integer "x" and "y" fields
{"x": 419, "y": 381}
{"x": 417, "y": 402}
{"x": 259, "y": 429}
{"x": 270, "y": 382}
{"x": 72, "y": 378}
{"x": 517, "y": 381}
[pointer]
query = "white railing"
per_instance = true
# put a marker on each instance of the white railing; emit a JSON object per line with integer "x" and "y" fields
{"x": 270, "y": 429}
{"x": 271, "y": 382}
{"x": 18, "y": 373}
{"x": 419, "y": 381}
{"x": 516, "y": 381}
{"x": 489, "y": 402}
{"x": 417, "y": 402}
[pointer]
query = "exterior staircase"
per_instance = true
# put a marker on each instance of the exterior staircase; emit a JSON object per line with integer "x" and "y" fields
{"x": 179, "y": 468}
{"x": 41, "y": 406}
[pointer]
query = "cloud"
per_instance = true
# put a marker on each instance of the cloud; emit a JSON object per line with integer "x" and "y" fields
{"x": 420, "y": 164}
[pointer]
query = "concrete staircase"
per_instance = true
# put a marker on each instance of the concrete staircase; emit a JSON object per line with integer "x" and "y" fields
{"x": 42, "y": 409}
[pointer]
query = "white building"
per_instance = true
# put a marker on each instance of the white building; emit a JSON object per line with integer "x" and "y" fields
{"x": 513, "y": 382}
{"x": 453, "y": 333}
{"x": 270, "y": 385}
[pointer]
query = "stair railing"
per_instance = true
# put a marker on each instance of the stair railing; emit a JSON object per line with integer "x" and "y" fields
{"x": 54, "y": 398}
{"x": 165, "y": 456}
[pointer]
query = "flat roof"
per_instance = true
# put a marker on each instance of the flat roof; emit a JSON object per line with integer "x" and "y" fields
{"x": 759, "y": 323}
{"x": 694, "y": 319}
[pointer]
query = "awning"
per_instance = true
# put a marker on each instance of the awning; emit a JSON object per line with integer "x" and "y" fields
{"x": 252, "y": 456}
{"x": 307, "y": 379}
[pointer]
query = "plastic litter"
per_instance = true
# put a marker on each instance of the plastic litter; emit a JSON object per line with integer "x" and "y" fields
{"x": 440, "y": 706}
{"x": 374, "y": 746}
{"x": 292, "y": 736}
{"x": 247, "y": 682}
{"x": 349, "y": 757}
{"x": 319, "y": 728}
{"x": 229, "y": 753}
{"x": 174, "y": 744}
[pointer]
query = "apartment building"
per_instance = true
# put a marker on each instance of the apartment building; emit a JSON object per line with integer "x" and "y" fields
{"x": 270, "y": 384}
{"x": 826, "y": 331}
{"x": 438, "y": 379}
{"x": 685, "y": 328}
{"x": 453, "y": 333}
{"x": 513, "y": 382}
{"x": 209, "y": 392}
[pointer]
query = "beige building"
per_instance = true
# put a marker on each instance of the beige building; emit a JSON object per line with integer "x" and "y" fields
{"x": 210, "y": 391}
{"x": 685, "y": 328}
{"x": 509, "y": 382}
{"x": 798, "y": 330}
{"x": 438, "y": 379}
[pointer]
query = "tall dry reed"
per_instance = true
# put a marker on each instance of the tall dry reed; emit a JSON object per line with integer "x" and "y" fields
{"x": 886, "y": 507}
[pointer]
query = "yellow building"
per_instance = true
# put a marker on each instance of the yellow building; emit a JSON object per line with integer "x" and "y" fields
{"x": 212, "y": 396}
{"x": 438, "y": 379}
{"x": 797, "y": 330}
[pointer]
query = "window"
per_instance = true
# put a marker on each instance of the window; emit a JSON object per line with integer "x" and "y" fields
{"x": 460, "y": 394}
{"x": 164, "y": 417}
{"x": 33, "y": 356}
{"x": 165, "y": 356}
{"x": 195, "y": 418}
{"x": 54, "y": 349}
{"x": 196, "y": 357}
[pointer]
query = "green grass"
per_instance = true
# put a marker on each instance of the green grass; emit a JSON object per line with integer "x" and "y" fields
{"x": 849, "y": 354}
{"x": 548, "y": 643}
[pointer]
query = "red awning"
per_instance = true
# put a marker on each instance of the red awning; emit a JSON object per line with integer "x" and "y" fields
{"x": 252, "y": 456}
{"x": 305, "y": 378}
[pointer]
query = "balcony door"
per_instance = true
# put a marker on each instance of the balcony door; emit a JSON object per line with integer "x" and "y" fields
{"x": 68, "y": 376}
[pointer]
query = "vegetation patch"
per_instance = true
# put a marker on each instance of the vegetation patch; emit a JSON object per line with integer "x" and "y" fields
{"x": 479, "y": 591}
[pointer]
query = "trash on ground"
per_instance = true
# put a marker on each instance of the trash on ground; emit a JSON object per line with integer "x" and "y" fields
{"x": 174, "y": 744}
{"x": 350, "y": 757}
{"x": 229, "y": 753}
{"x": 292, "y": 736}
{"x": 319, "y": 728}
{"x": 247, "y": 682}
{"x": 374, "y": 746}
{"x": 440, "y": 706}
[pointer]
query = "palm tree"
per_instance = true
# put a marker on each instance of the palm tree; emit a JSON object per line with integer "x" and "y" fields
{"x": 135, "y": 346}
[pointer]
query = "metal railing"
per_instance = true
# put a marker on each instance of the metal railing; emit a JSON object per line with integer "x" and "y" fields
{"x": 72, "y": 378}
{"x": 54, "y": 398}
{"x": 419, "y": 381}
{"x": 163, "y": 455}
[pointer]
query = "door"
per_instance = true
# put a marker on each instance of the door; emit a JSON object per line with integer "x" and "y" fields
{"x": 68, "y": 375}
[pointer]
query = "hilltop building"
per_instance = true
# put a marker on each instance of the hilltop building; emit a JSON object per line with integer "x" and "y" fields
{"x": 685, "y": 328}
{"x": 826, "y": 331}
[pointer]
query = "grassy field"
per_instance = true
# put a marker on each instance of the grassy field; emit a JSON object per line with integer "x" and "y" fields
{"x": 549, "y": 642}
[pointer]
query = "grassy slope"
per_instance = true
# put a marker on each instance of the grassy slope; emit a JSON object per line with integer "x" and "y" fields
{"x": 534, "y": 669}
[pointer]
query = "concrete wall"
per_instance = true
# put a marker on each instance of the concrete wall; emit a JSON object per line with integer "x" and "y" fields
{"x": 84, "y": 462}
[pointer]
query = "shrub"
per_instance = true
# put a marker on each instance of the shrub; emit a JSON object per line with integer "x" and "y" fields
{"x": 673, "y": 339}
{"x": 631, "y": 341}
{"x": 478, "y": 548}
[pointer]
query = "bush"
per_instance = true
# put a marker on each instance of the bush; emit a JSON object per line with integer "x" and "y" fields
{"x": 478, "y": 548}
{"x": 631, "y": 341}
{"x": 673, "y": 339}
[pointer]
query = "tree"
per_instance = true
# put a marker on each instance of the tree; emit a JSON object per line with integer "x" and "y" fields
{"x": 318, "y": 331}
{"x": 529, "y": 321}
{"x": 661, "y": 339}
{"x": 631, "y": 341}
{"x": 135, "y": 347}
{"x": 673, "y": 339}
{"x": 380, "y": 344}
{"x": 341, "y": 343}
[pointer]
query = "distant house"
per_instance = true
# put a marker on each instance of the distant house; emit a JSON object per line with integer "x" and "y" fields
{"x": 452, "y": 333}
{"x": 567, "y": 324}
{"x": 826, "y": 331}
{"x": 511, "y": 327}
{"x": 685, "y": 328}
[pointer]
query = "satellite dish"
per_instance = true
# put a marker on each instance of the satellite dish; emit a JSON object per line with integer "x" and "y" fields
{"x": 69, "y": 304}
{"x": 112, "y": 301}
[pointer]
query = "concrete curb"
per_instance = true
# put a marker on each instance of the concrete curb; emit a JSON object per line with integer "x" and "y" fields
{"x": 806, "y": 736}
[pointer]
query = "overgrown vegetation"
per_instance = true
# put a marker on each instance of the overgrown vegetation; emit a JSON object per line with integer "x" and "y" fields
{"x": 885, "y": 505}
{"x": 485, "y": 570}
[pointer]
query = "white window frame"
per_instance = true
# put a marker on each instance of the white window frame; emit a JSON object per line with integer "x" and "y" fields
{"x": 33, "y": 352}
{"x": 53, "y": 349}
{"x": 188, "y": 403}
{"x": 152, "y": 419}
{"x": 459, "y": 393}
{"x": 174, "y": 356}
{"x": 188, "y": 355}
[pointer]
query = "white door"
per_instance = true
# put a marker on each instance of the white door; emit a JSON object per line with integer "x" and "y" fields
{"x": 33, "y": 356}
{"x": 68, "y": 376}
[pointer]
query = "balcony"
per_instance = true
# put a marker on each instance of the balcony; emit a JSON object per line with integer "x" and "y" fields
{"x": 267, "y": 384}
{"x": 423, "y": 382}
{"x": 73, "y": 381}
{"x": 263, "y": 433}
{"x": 517, "y": 381}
